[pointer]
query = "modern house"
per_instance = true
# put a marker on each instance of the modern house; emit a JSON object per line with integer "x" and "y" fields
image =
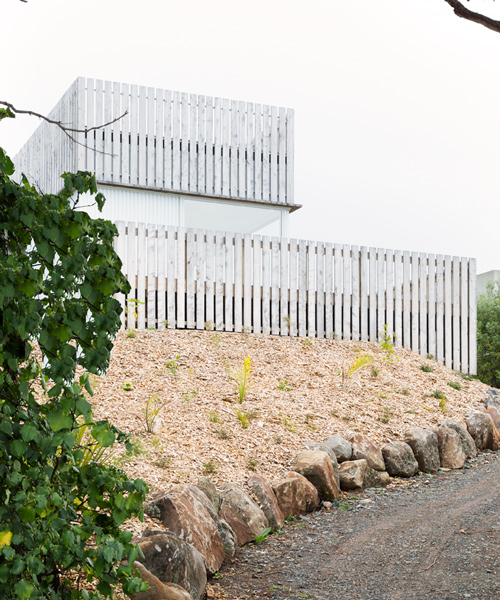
{"x": 201, "y": 190}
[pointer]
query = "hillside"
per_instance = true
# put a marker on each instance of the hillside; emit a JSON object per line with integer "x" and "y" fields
{"x": 295, "y": 395}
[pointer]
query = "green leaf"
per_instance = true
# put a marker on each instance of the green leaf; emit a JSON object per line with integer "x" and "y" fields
{"x": 24, "y": 589}
{"x": 58, "y": 420}
{"x": 27, "y": 514}
{"x": 28, "y": 432}
{"x": 103, "y": 435}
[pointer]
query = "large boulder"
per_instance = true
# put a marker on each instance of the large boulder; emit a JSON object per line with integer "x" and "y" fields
{"x": 157, "y": 589}
{"x": 317, "y": 467}
{"x": 466, "y": 439}
{"x": 266, "y": 498}
{"x": 375, "y": 479}
{"x": 352, "y": 474}
{"x": 494, "y": 413}
{"x": 451, "y": 452}
{"x": 322, "y": 447}
{"x": 242, "y": 514}
{"x": 493, "y": 398}
{"x": 173, "y": 560}
{"x": 424, "y": 445}
{"x": 483, "y": 431}
{"x": 400, "y": 460}
{"x": 341, "y": 447}
{"x": 209, "y": 489}
{"x": 362, "y": 447}
{"x": 295, "y": 494}
{"x": 182, "y": 512}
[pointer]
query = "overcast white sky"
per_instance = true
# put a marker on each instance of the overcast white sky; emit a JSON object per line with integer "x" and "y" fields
{"x": 397, "y": 101}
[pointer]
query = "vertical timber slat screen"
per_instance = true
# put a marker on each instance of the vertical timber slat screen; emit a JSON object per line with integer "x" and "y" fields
{"x": 186, "y": 278}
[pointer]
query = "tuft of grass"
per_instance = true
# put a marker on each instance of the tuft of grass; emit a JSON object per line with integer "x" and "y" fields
{"x": 426, "y": 368}
{"x": 127, "y": 386}
{"x": 375, "y": 372}
{"x": 405, "y": 392}
{"x": 260, "y": 538}
{"x": 430, "y": 357}
{"x": 210, "y": 467}
{"x": 222, "y": 434}
{"x": 244, "y": 419}
{"x": 173, "y": 364}
{"x": 130, "y": 333}
{"x": 252, "y": 463}
{"x": 411, "y": 411}
{"x": 290, "y": 425}
{"x": 438, "y": 394}
{"x": 242, "y": 378}
{"x": 386, "y": 415}
{"x": 284, "y": 385}
{"x": 363, "y": 359}
{"x": 150, "y": 413}
{"x": 442, "y": 405}
{"x": 190, "y": 395}
{"x": 386, "y": 344}
{"x": 467, "y": 376}
{"x": 455, "y": 385}
{"x": 213, "y": 416}
{"x": 306, "y": 343}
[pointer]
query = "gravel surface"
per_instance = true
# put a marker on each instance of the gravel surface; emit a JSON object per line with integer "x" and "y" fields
{"x": 428, "y": 538}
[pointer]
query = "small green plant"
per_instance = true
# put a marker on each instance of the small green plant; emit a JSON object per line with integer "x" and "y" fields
{"x": 130, "y": 333}
{"x": 213, "y": 416}
{"x": 382, "y": 395}
{"x": 411, "y": 411}
{"x": 166, "y": 323}
{"x": 164, "y": 462}
{"x": 92, "y": 449}
{"x": 210, "y": 466}
{"x": 127, "y": 386}
{"x": 261, "y": 537}
{"x": 252, "y": 463}
{"x": 290, "y": 424}
{"x": 242, "y": 378}
{"x": 430, "y": 357}
{"x": 244, "y": 419}
{"x": 405, "y": 392}
{"x": 442, "y": 404}
{"x": 150, "y": 413}
{"x": 209, "y": 325}
{"x": 467, "y": 376}
{"x": 386, "y": 344}
{"x": 222, "y": 434}
{"x": 173, "y": 364}
{"x": 286, "y": 320}
{"x": 284, "y": 385}
{"x": 347, "y": 372}
{"x": 375, "y": 371}
{"x": 190, "y": 395}
{"x": 308, "y": 419}
{"x": 386, "y": 415}
{"x": 426, "y": 368}
{"x": 455, "y": 385}
{"x": 306, "y": 343}
{"x": 438, "y": 394}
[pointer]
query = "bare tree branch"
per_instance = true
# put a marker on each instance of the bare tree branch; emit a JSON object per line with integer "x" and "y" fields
{"x": 460, "y": 10}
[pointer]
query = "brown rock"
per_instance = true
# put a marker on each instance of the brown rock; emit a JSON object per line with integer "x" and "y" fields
{"x": 362, "y": 447}
{"x": 267, "y": 501}
{"x": 209, "y": 489}
{"x": 483, "y": 431}
{"x": 424, "y": 444}
{"x": 157, "y": 589}
{"x": 317, "y": 467}
{"x": 173, "y": 560}
{"x": 295, "y": 494}
{"x": 352, "y": 474}
{"x": 375, "y": 479}
{"x": 494, "y": 413}
{"x": 400, "y": 460}
{"x": 184, "y": 514}
{"x": 341, "y": 447}
{"x": 322, "y": 447}
{"x": 451, "y": 452}
{"x": 468, "y": 443}
{"x": 242, "y": 514}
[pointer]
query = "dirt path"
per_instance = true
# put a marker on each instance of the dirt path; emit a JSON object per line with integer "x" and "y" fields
{"x": 436, "y": 538}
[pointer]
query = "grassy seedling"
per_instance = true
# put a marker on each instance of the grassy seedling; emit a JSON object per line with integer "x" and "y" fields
{"x": 375, "y": 372}
{"x": 166, "y": 323}
{"x": 363, "y": 359}
{"x": 426, "y": 368}
{"x": 252, "y": 463}
{"x": 127, "y": 386}
{"x": 438, "y": 394}
{"x": 290, "y": 424}
{"x": 173, "y": 364}
{"x": 405, "y": 392}
{"x": 306, "y": 344}
{"x": 222, "y": 434}
{"x": 190, "y": 395}
{"x": 260, "y": 538}
{"x": 284, "y": 385}
{"x": 382, "y": 395}
{"x": 136, "y": 450}
{"x": 213, "y": 416}
{"x": 210, "y": 466}
{"x": 455, "y": 385}
{"x": 386, "y": 415}
{"x": 150, "y": 413}
{"x": 242, "y": 378}
{"x": 386, "y": 344}
{"x": 209, "y": 325}
{"x": 430, "y": 357}
{"x": 244, "y": 419}
{"x": 411, "y": 411}
{"x": 130, "y": 333}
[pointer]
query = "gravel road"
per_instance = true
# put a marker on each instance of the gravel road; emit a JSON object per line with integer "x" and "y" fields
{"x": 428, "y": 538}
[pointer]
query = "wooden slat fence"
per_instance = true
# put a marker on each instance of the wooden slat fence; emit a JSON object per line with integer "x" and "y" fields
{"x": 185, "y": 278}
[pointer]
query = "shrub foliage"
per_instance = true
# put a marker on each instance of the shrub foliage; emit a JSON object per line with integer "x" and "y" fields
{"x": 60, "y": 513}
{"x": 488, "y": 336}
